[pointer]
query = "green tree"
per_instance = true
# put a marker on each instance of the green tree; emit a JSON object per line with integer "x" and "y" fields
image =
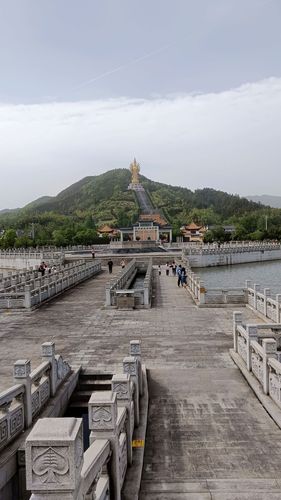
{"x": 9, "y": 238}
{"x": 23, "y": 242}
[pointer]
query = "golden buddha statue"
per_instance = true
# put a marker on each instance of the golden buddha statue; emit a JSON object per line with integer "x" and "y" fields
{"x": 135, "y": 169}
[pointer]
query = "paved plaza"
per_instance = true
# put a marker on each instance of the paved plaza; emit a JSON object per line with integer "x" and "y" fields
{"x": 208, "y": 436}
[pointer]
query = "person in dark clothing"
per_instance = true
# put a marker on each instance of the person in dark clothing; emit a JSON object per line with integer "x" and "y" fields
{"x": 42, "y": 268}
{"x": 110, "y": 266}
{"x": 93, "y": 254}
{"x": 183, "y": 277}
{"x": 178, "y": 271}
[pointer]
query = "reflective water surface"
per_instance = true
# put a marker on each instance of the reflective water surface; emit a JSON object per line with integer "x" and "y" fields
{"x": 267, "y": 274}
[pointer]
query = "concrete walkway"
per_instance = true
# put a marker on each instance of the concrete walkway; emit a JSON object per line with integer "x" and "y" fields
{"x": 208, "y": 436}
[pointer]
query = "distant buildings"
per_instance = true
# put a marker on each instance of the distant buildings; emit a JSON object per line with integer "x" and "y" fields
{"x": 108, "y": 231}
{"x": 193, "y": 232}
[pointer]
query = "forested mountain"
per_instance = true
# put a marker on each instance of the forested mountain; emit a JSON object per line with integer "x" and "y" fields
{"x": 108, "y": 193}
{"x": 95, "y": 200}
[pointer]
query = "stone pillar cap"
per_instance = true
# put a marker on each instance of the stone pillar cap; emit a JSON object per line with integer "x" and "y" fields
{"x": 102, "y": 397}
{"x": 121, "y": 377}
{"x": 54, "y": 429}
{"x": 129, "y": 359}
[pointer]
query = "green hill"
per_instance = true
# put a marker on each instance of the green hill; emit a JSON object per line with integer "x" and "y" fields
{"x": 106, "y": 194}
{"x": 104, "y": 198}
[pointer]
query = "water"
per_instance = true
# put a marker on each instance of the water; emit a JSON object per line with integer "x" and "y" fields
{"x": 266, "y": 274}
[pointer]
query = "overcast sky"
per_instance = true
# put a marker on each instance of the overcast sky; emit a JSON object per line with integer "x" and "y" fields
{"x": 192, "y": 88}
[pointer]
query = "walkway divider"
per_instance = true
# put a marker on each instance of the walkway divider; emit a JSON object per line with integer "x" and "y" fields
{"x": 118, "y": 292}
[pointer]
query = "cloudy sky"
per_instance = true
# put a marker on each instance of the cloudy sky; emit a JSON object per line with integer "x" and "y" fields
{"x": 192, "y": 88}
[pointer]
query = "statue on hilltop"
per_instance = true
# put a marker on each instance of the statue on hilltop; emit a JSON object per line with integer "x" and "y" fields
{"x": 135, "y": 170}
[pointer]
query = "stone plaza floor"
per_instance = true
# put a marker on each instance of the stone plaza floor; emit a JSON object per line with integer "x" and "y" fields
{"x": 208, "y": 436}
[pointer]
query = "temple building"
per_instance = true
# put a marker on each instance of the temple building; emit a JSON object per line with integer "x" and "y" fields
{"x": 147, "y": 230}
{"x": 107, "y": 230}
{"x": 193, "y": 232}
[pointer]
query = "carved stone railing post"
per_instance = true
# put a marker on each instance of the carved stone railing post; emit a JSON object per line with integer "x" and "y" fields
{"x": 266, "y": 293}
{"x": 202, "y": 292}
{"x": 22, "y": 369}
{"x": 270, "y": 350}
{"x": 135, "y": 351}
{"x": 237, "y": 320}
{"x": 130, "y": 366}
{"x": 252, "y": 334}
{"x": 54, "y": 459}
{"x": 48, "y": 354}
{"x": 121, "y": 385}
{"x": 27, "y": 297}
{"x": 103, "y": 425}
{"x": 256, "y": 290}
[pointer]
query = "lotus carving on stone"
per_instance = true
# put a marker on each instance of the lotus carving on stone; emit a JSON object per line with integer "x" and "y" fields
{"x": 121, "y": 390}
{"x": 102, "y": 415}
{"x": 50, "y": 465}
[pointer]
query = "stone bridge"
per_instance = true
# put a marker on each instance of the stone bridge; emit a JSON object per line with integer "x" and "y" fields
{"x": 208, "y": 436}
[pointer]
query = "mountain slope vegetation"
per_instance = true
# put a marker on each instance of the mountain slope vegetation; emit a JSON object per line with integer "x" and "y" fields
{"x": 74, "y": 215}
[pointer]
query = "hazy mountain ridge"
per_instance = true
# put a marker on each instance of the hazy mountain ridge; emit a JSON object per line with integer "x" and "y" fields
{"x": 266, "y": 199}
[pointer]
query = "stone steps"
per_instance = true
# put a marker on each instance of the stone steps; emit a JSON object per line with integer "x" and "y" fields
{"x": 89, "y": 382}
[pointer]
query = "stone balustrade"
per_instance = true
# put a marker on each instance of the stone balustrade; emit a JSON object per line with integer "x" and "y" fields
{"x": 22, "y": 403}
{"x": 118, "y": 292}
{"x": 57, "y": 465}
{"x": 231, "y": 247}
{"x": 229, "y": 254}
{"x": 29, "y": 289}
{"x": 258, "y": 346}
{"x": 262, "y": 303}
{"x": 143, "y": 294}
{"x": 121, "y": 282}
{"x": 22, "y": 258}
{"x": 205, "y": 297}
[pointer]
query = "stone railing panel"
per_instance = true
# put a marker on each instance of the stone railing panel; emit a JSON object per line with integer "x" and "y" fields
{"x": 11, "y": 414}
{"x": 37, "y": 290}
{"x": 257, "y": 361}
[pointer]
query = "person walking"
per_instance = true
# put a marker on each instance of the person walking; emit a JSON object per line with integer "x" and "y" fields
{"x": 178, "y": 273}
{"x": 174, "y": 268}
{"x": 159, "y": 270}
{"x": 110, "y": 266}
{"x": 123, "y": 263}
{"x": 183, "y": 277}
{"x": 167, "y": 268}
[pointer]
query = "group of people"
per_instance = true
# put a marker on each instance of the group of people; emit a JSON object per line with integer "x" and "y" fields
{"x": 177, "y": 270}
{"x": 45, "y": 269}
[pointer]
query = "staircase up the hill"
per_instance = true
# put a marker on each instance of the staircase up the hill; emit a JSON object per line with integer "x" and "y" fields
{"x": 144, "y": 202}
